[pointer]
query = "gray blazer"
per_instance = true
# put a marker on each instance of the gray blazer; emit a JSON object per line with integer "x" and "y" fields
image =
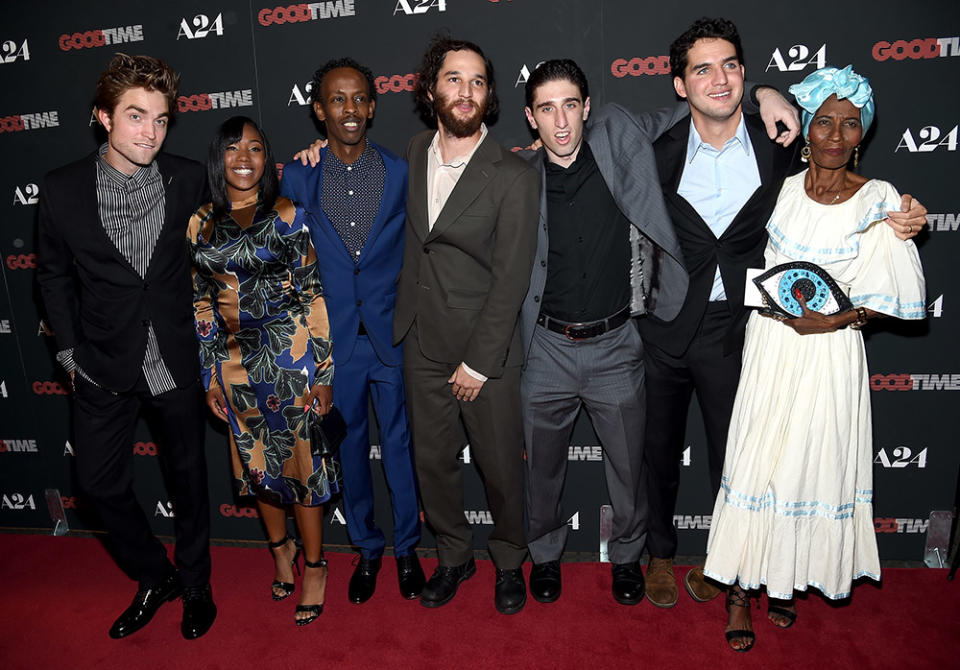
{"x": 621, "y": 143}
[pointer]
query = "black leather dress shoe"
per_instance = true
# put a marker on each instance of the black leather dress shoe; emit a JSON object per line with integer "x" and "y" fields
{"x": 364, "y": 580}
{"x": 145, "y": 604}
{"x": 545, "y": 584}
{"x": 510, "y": 594}
{"x": 199, "y": 611}
{"x": 628, "y": 584}
{"x": 410, "y": 576}
{"x": 442, "y": 585}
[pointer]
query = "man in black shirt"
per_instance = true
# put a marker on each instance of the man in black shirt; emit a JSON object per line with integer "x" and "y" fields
{"x": 607, "y": 253}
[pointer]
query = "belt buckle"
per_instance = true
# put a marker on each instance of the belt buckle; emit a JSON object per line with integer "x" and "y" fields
{"x": 566, "y": 331}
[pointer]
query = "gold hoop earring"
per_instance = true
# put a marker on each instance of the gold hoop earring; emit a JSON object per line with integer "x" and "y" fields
{"x": 805, "y": 153}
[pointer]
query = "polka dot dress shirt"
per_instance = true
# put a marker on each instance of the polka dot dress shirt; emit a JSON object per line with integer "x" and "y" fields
{"x": 351, "y": 196}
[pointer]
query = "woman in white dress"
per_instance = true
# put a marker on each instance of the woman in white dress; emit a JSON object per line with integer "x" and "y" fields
{"x": 795, "y": 505}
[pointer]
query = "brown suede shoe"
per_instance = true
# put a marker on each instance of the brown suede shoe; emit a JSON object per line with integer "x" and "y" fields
{"x": 661, "y": 585}
{"x": 699, "y": 587}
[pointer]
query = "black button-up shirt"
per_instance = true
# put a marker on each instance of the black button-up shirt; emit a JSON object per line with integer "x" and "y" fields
{"x": 588, "y": 266}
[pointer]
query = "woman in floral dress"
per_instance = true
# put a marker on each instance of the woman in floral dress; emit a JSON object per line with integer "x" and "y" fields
{"x": 265, "y": 347}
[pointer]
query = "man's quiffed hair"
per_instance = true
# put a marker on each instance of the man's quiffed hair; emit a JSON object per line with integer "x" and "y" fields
{"x": 315, "y": 85}
{"x": 561, "y": 69}
{"x": 125, "y": 72}
{"x": 705, "y": 28}
{"x": 440, "y": 45}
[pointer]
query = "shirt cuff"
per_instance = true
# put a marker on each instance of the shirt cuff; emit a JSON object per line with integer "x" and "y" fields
{"x": 473, "y": 373}
{"x": 65, "y": 358}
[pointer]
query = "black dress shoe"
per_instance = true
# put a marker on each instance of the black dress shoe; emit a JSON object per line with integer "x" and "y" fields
{"x": 628, "y": 584}
{"x": 198, "y": 611}
{"x": 510, "y": 594}
{"x": 410, "y": 576}
{"x": 443, "y": 584}
{"x": 145, "y": 604}
{"x": 364, "y": 580}
{"x": 545, "y": 584}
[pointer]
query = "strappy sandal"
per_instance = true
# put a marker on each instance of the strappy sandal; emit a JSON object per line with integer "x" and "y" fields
{"x": 286, "y": 587}
{"x": 737, "y": 597}
{"x": 789, "y": 615}
{"x": 313, "y": 610}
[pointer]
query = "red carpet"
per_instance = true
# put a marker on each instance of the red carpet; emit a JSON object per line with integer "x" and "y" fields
{"x": 60, "y": 595}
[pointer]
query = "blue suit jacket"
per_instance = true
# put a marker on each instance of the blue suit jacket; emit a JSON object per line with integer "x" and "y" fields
{"x": 366, "y": 290}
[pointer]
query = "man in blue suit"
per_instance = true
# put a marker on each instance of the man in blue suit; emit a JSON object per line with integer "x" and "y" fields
{"x": 356, "y": 196}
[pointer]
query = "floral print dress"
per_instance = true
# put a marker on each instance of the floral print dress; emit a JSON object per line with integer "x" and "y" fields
{"x": 264, "y": 339}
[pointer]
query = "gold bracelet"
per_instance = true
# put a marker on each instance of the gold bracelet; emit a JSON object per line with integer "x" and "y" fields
{"x": 861, "y": 318}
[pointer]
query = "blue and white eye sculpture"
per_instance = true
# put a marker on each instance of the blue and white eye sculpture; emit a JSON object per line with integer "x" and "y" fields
{"x": 782, "y": 284}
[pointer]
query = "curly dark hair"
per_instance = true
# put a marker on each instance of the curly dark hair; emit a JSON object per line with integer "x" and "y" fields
{"x": 333, "y": 64}
{"x": 703, "y": 28}
{"x": 556, "y": 70}
{"x": 231, "y": 131}
{"x": 125, "y": 72}
{"x": 433, "y": 59}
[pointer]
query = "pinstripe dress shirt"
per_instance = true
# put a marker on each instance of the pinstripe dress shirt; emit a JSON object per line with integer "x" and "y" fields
{"x": 132, "y": 210}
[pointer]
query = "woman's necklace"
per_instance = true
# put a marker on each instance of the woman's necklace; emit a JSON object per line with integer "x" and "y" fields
{"x": 836, "y": 197}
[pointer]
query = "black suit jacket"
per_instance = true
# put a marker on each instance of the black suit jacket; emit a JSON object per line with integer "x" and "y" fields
{"x": 95, "y": 300}
{"x": 739, "y": 247}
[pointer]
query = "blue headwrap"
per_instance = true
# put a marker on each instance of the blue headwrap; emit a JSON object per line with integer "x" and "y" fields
{"x": 820, "y": 85}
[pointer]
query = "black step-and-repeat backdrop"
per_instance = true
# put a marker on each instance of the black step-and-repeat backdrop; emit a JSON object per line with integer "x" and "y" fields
{"x": 256, "y": 58}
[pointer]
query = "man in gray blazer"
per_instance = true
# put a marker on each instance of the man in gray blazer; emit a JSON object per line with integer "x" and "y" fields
{"x": 470, "y": 239}
{"x": 609, "y": 253}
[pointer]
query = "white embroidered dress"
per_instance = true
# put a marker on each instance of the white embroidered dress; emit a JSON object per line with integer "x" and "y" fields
{"x": 795, "y": 507}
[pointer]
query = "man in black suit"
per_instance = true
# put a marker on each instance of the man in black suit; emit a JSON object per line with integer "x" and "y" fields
{"x": 115, "y": 279}
{"x": 720, "y": 177}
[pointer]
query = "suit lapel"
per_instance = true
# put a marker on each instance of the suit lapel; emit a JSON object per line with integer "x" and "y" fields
{"x": 475, "y": 177}
{"x": 171, "y": 190}
{"x": 89, "y": 204}
{"x": 671, "y": 163}
{"x": 389, "y": 185}
{"x": 763, "y": 152}
{"x": 417, "y": 200}
{"x": 315, "y": 184}
{"x": 763, "y": 148}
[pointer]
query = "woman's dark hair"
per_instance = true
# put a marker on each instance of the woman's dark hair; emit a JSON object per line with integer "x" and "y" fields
{"x": 705, "y": 28}
{"x": 562, "y": 69}
{"x": 229, "y": 132}
{"x": 430, "y": 68}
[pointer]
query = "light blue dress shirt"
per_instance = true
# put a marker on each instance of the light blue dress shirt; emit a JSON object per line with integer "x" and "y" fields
{"x": 717, "y": 183}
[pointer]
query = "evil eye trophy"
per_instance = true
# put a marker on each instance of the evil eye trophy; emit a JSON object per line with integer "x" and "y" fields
{"x": 780, "y": 285}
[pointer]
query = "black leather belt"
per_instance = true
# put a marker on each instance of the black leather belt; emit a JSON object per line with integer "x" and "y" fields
{"x": 583, "y": 331}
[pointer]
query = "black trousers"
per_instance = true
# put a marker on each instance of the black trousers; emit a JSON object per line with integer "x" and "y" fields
{"x": 710, "y": 368}
{"x": 104, "y": 427}
{"x": 496, "y": 441}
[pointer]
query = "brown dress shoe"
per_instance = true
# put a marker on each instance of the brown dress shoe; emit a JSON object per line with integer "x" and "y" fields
{"x": 699, "y": 587}
{"x": 661, "y": 585}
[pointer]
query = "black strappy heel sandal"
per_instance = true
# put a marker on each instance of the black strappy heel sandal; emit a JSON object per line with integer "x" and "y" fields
{"x": 286, "y": 587}
{"x": 313, "y": 610}
{"x": 737, "y": 597}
